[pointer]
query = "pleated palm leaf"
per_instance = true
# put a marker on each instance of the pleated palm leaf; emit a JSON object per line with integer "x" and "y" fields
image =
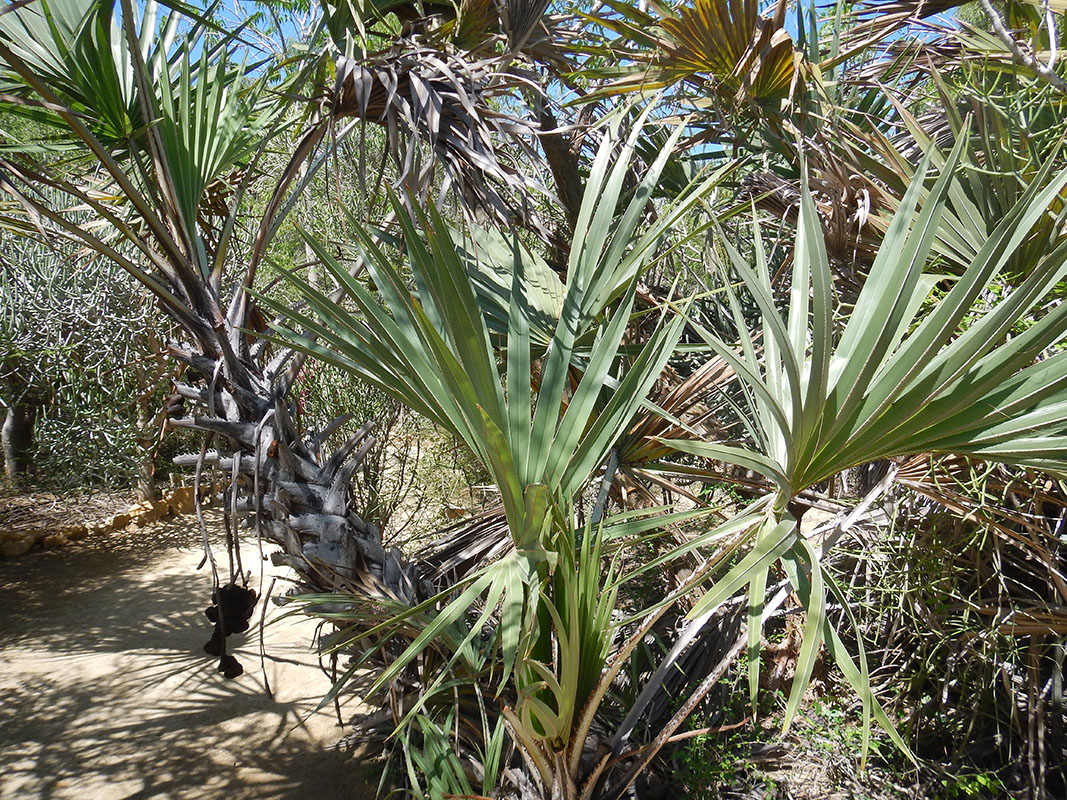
{"x": 750, "y": 88}
{"x": 68, "y": 46}
{"x": 894, "y": 382}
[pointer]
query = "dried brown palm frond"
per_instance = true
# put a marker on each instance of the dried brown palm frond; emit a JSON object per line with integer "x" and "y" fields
{"x": 748, "y": 55}
{"x": 874, "y": 20}
{"x": 458, "y": 550}
{"x": 1017, "y": 510}
{"x": 441, "y": 111}
{"x": 1034, "y": 621}
{"x": 441, "y": 89}
{"x": 683, "y": 399}
{"x": 724, "y": 46}
{"x": 928, "y": 57}
{"x": 946, "y": 47}
{"x": 848, "y": 203}
{"x": 998, "y": 39}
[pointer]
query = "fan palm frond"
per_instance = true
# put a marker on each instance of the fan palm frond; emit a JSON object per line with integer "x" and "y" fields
{"x": 725, "y": 46}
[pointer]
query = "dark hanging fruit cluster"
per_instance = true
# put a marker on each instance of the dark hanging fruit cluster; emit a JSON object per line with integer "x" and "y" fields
{"x": 235, "y": 604}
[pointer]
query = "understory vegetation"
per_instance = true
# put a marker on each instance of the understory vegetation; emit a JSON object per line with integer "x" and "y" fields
{"x": 651, "y": 399}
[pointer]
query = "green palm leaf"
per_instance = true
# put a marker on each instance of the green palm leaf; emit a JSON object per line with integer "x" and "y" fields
{"x": 434, "y": 351}
{"x": 894, "y": 382}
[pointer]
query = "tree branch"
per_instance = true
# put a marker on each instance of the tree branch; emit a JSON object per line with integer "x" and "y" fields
{"x": 1018, "y": 54}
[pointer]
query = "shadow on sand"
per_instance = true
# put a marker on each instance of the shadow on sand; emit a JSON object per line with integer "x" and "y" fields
{"x": 105, "y": 692}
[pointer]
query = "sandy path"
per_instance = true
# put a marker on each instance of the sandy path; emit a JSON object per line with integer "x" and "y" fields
{"x": 105, "y": 693}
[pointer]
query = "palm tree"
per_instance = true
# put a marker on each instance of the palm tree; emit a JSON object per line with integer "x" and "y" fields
{"x": 440, "y": 353}
{"x": 159, "y": 134}
{"x": 165, "y": 134}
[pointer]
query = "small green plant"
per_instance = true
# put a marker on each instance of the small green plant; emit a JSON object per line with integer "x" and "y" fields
{"x": 982, "y": 784}
{"x": 720, "y": 758}
{"x": 831, "y": 729}
{"x": 706, "y": 763}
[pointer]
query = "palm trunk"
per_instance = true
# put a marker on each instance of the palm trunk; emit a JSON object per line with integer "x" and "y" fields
{"x": 280, "y": 485}
{"x": 146, "y": 462}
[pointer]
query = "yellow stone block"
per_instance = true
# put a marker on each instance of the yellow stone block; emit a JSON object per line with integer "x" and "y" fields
{"x": 15, "y": 544}
{"x": 74, "y": 532}
{"x": 54, "y": 540}
{"x": 183, "y": 500}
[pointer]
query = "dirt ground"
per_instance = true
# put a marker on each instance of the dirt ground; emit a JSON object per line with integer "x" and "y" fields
{"x": 105, "y": 693}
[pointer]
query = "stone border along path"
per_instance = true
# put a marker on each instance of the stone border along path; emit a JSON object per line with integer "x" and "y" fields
{"x": 18, "y": 541}
{"x": 105, "y": 693}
